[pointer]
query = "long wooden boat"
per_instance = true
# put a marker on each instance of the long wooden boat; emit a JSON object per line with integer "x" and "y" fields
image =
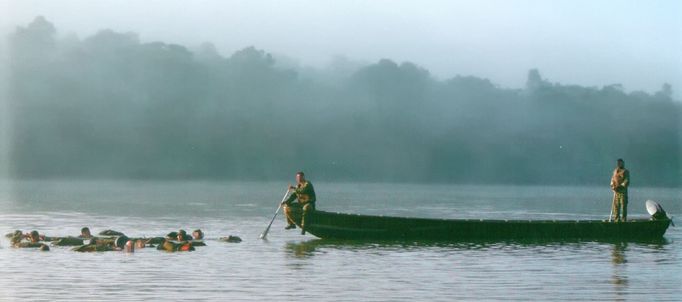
{"x": 328, "y": 225}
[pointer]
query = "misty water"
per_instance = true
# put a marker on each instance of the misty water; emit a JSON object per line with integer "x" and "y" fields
{"x": 289, "y": 266}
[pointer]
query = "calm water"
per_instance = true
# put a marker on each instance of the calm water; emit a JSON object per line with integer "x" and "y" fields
{"x": 293, "y": 267}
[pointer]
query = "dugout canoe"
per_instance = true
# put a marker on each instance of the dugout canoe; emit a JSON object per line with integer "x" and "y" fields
{"x": 329, "y": 225}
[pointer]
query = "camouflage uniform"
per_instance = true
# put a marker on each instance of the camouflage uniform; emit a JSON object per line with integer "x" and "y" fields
{"x": 305, "y": 193}
{"x": 170, "y": 246}
{"x": 619, "y": 184}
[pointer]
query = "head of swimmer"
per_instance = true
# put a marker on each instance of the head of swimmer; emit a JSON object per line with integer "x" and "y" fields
{"x": 182, "y": 235}
{"x": 34, "y": 236}
{"x": 198, "y": 234}
{"x": 85, "y": 233}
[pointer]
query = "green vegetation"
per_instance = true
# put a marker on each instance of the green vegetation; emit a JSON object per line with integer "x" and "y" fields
{"x": 109, "y": 105}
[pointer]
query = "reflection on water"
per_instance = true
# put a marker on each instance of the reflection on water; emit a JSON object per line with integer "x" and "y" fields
{"x": 618, "y": 254}
{"x": 303, "y": 249}
{"x": 308, "y": 248}
{"x": 289, "y": 266}
{"x": 619, "y": 277}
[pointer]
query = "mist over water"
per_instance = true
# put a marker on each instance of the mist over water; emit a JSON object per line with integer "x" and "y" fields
{"x": 5, "y": 115}
{"x": 109, "y": 105}
{"x": 112, "y": 129}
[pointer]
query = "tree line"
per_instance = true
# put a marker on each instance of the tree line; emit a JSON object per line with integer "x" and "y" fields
{"x": 109, "y": 105}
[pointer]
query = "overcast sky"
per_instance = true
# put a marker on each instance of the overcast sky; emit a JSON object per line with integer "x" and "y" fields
{"x": 592, "y": 43}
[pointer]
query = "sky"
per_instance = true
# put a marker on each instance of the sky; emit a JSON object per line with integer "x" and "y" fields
{"x": 592, "y": 43}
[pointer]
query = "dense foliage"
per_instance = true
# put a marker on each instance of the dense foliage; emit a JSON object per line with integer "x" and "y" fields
{"x": 109, "y": 105}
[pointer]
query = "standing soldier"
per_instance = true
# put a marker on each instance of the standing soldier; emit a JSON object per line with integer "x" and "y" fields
{"x": 620, "y": 181}
{"x": 305, "y": 193}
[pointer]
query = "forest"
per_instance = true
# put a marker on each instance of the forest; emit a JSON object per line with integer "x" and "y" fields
{"x": 111, "y": 106}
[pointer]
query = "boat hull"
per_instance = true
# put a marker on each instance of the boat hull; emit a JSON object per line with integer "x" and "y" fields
{"x": 364, "y": 227}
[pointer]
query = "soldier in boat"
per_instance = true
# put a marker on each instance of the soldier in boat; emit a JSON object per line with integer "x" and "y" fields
{"x": 620, "y": 181}
{"x": 305, "y": 194}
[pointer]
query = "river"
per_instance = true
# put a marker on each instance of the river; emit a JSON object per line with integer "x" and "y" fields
{"x": 289, "y": 266}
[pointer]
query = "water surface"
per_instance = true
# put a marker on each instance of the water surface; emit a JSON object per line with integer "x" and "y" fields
{"x": 289, "y": 266}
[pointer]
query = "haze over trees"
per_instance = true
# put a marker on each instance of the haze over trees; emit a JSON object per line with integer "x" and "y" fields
{"x": 109, "y": 105}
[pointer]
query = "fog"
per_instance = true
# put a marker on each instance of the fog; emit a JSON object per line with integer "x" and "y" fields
{"x": 109, "y": 105}
{"x": 589, "y": 43}
{"x": 5, "y": 122}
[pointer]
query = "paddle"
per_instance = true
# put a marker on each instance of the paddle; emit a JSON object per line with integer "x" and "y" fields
{"x": 265, "y": 233}
{"x": 611, "y": 214}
